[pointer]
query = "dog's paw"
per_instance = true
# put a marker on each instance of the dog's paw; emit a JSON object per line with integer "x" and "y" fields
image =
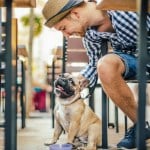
{"x": 73, "y": 145}
{"x": 81, "y": 148}
{"x": 86, "y": 148}
{"x": 48, "y": 143}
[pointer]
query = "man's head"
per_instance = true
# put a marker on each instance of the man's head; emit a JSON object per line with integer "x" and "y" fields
{"x": 55, "y": 10}
{"x": 71, "y": 17}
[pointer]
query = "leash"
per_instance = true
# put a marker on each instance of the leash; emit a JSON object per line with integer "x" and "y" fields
{"x": 91, "y": 90}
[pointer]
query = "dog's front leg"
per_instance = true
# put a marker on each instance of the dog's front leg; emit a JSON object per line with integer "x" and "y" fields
{"x": 73, "y": 130}
{"x": 57, "y": 132}
{"x": 75, "y": 118}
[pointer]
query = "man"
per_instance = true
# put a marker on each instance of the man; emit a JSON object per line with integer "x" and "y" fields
{"x": 80, "y": 18}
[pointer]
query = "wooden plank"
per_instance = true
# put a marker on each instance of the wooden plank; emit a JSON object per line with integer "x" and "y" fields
{"x": 22, "y": 51}
{"x": 76, "y": 53}
{"x": 20, "y": 3}
{"x": 71, "y": 69}
{"x": 57, "y": 70}
{"x": 77, "y": 56}
{"x": 75, "y": 43}
{"x": 126, "y": 5}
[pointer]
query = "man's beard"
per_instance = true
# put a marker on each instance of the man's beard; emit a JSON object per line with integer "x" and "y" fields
{"x": 81, "y": 29}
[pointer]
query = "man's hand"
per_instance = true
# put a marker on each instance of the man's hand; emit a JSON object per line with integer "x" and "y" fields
{"x": 83, "y": 82}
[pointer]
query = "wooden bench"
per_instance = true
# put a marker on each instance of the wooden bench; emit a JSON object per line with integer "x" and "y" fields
{"x": 126, "y": 5}
{"x": 20, "y": 3}
{"x": 76, "y": 54}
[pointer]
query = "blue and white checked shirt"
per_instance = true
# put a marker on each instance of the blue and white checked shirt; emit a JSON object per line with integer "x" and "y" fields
{"x": 124, "y": 38}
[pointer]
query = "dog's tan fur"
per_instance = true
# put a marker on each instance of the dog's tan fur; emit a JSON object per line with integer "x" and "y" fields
{"x": 77, "y": 119}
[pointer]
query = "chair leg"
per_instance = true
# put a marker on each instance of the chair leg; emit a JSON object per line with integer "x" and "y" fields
{"x": 116, "y": 119}
{"x": 91, "y": 101}
{"x": 110, "y": 124}
{"x": 126, "y": 123}
{"x": 104, "y": 121}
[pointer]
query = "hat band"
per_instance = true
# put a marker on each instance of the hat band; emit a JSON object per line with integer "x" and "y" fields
{"x": 69, "y": 5}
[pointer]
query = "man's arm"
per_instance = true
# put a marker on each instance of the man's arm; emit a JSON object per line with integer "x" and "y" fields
{"x": 92, "y": 43}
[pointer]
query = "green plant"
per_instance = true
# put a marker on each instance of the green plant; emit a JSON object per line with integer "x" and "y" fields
{"x": 37, "y": 23}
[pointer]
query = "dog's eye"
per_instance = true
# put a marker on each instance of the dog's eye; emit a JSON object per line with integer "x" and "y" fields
{"x": 71, "y": 81}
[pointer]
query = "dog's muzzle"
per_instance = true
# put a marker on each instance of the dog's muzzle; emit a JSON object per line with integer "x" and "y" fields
{"x": 64, "y": 87}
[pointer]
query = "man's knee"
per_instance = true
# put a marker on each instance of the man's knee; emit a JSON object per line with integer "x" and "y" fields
{"x": 108, "y": 67}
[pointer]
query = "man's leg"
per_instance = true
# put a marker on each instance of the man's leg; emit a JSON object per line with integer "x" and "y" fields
{"x": 110, "y": 69}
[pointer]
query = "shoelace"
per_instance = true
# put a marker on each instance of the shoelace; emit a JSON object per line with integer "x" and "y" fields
{"x": 131, "y": 132}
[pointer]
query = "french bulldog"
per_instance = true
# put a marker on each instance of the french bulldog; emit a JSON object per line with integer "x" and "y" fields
{"x": 74, "y": 116}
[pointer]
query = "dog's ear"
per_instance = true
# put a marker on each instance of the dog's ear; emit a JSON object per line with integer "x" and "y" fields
{"x": 67, "y": 74}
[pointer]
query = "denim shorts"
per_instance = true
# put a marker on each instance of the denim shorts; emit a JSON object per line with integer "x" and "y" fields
{"x": 130, "y": 62}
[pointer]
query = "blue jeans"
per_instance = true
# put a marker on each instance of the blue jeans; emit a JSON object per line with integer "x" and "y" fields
{"x": 130, "y": 62}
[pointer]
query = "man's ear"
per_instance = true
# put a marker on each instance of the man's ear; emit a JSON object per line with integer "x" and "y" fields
{"x": 75, "y": 14}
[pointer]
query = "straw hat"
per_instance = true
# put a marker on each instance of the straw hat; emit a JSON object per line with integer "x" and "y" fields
{"x": 55, "y": 10}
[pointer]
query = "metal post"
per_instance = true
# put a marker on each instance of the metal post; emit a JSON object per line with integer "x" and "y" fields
{"x": 126, "y": 123}
{"x": 91, "y": 100}
{"x": 10, "y": 79}
{"x": 116, "y": 119}
{"x": 104, "y": 106}
{"x": 104, "y": 121}
{"x": 64, "y": 55}
{"x": 53, "y": 95}
{"x": 0, "y": 29}
{"x": 142, "y": 46}
{"x": 22, "y": 95}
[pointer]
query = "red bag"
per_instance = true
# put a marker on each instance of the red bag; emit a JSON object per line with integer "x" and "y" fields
{"x": 39, "y": 100}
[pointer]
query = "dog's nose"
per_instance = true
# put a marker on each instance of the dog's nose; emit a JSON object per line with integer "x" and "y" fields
{"x": 62, "y": 81}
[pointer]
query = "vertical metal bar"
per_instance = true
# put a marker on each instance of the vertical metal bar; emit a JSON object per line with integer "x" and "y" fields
{"x": 0, "y": 29}
{"x": 53, "y": 95}
{"x": 64, "y": 55}
{"x": 142, "y": 46}
{"x": 104, "y": 121}
{"x": 0, "y": 94}
{"x": 10, "y": 78}
{"x": 126, "y": 123}
{"x": 22, "y": 97}
{"x": 91, "y": 100}
{"x": 108, "y": 117}
{"x": 104, "y": 106}
{"x": 116, "y": 119}
{"x": 0, "y": 52}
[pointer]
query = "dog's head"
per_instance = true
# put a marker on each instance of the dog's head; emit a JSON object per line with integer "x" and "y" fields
{"x": 66, "y": 86}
